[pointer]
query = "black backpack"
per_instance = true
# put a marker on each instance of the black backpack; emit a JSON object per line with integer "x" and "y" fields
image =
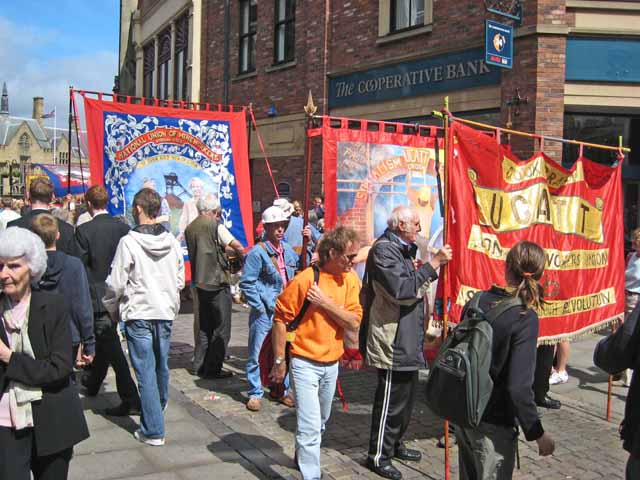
{"x": 459, "y": 384}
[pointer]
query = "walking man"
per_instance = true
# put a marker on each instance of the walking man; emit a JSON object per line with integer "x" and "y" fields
{"x": 143, "y": 287}
{"x": 207, "y": 239}
{"x": 394, "y": 322}
{"x": 270, "y": 265}
{"x": 99, "y": 240}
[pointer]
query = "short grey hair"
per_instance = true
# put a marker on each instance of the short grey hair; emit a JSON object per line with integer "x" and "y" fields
{"x": 16, "y": 242}
{"x": 403, "y": 213}
{"x": 208, "y": 203}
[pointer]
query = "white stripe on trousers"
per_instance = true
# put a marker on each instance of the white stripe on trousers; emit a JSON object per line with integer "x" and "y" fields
{"x": 383, "y": 419}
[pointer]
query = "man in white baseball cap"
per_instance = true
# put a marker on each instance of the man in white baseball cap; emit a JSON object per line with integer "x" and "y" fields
{"x": 268, "y": 267}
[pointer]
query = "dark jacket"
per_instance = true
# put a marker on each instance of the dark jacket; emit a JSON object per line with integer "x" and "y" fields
{"x": 393, "y": 319}
{"x": 67, "y": 241}
{"x": 66, "y": 276}
{"x": 513, "y": 360}
{"x": 614, "y": 354}
{"x": 99, "y": 240}
{"x": 58, "y": 418}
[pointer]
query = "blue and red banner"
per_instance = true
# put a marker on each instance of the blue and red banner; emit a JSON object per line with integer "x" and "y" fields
{"x": 183, "y": 154}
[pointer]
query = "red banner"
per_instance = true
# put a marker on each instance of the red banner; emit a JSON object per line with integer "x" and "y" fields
{"x": 371, "y": 167}
{"x": 496, "y": 200}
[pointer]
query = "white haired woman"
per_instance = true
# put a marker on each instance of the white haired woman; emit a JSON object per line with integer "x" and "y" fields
{"x": 41, "y": 416}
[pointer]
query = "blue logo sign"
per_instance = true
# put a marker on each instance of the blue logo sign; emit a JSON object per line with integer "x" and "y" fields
{"x": 499, "y": 44}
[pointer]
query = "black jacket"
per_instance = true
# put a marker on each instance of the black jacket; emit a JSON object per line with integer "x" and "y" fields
{"x": 513, "y": 360}
{"x": 67, "y": 241}
{"x": 66, "y": 276}
{"x": 392, "y": 330}
{"x": 58, "y": 418}
{"x": 99, "y": 240}
{"x": 614, "y": 354}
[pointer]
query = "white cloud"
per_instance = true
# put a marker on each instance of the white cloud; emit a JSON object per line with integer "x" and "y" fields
{"x": 31, "y": 69}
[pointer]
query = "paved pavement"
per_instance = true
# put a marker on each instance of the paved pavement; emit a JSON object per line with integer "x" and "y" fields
{"x": 211, "y": 434}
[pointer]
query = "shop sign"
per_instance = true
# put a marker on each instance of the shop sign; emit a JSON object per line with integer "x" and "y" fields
{"x": 443, "y": 73}
{"x": 499, "y": 44}
{"x": 603, "y": 60}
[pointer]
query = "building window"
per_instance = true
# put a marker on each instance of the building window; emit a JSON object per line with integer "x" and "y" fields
{"x": 24, "y": 143}
{"x": 149, "y": 59}
{"x": 285, "y": 31}
{"x": 164, "y": 64}
{"x": 248, "y": 23}
{"x": 406, "y": 14}
{"x": 182, "y": 57}
{"x": 284, "y": 189}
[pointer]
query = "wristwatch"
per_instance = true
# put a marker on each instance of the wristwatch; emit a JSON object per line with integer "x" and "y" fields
{"x": 279, "y": 361}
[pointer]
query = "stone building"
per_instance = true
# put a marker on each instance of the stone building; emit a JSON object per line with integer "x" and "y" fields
{"x": 160, "y": 46}
{"x": 25, "y": 142}
{"x": 576, "y": 72}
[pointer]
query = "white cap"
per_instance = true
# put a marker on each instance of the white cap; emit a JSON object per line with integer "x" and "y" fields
{"x": 284, "y": 205}
{"x": 274, "y": 214}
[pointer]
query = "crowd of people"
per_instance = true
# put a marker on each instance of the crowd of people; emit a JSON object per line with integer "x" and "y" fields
{"x": 74, "y": 283}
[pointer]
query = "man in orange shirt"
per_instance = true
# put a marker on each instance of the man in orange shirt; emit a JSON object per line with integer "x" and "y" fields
{"x": 318, "y": 344}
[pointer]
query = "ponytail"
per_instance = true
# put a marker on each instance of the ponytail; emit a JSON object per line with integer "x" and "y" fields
{"x": 530, "y": 292}
{"x": 524, "y": 268}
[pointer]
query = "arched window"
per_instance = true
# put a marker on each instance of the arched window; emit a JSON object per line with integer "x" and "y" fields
{"x": 24, "y": 143}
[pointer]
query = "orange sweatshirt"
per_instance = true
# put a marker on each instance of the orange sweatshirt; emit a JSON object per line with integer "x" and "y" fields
{"x": 318, "y": 337}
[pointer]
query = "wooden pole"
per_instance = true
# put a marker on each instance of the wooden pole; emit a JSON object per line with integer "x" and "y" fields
{"x": 445, "y": 270}
{"x": 310, "y": 109}
{"x": 69, "y": 140}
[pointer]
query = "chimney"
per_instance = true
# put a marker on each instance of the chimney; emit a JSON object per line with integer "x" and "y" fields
{"x": 38, "y": 110}
{"x": 4, "y": 103}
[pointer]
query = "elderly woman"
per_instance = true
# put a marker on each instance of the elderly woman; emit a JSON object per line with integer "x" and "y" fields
{"x": 41, "y": 417}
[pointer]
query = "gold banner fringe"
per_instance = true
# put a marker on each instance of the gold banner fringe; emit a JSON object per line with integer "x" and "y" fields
{"x": 580, "y": 333}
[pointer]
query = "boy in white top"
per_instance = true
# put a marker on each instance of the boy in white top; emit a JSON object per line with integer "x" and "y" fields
{"x": 143, "y": 289}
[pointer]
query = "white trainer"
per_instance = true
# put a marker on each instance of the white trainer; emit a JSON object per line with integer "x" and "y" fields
{"x": 154, "y": 442}
{"x": 558, "y": 378}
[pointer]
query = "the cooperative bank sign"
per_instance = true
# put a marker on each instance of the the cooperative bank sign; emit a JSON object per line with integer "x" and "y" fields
{"x": 409, "y": 79}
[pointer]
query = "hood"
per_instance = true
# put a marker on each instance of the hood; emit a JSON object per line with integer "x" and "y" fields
{"x": 153, "y": 239}
{"x": 55, "y": 265}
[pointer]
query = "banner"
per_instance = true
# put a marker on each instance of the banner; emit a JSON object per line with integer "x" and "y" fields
{"x": 183, "y": 154}
{"x": 368, "y": 173}
{"x": 497, "y": 200}
{"x": 59, "y": 176}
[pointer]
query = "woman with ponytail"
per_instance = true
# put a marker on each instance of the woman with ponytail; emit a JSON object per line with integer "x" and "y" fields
{"x": 489, "y": 450}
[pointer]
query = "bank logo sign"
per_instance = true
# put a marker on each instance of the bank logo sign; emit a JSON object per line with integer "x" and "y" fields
{"x": 443, "y": 73}
{"x": 499, "y": 44}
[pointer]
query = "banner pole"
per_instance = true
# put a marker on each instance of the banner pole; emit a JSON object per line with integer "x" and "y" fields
{"x": 69, "y": 141}
{"x": 76, "y": 123}
{"x": 310, "y": 109}
{"x": 445, "y": 268}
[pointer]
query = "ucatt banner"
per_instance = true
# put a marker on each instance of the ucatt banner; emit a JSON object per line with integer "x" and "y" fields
{"x": 369, "y": 171}
{"x": 496, "y": 200}
{"x": 183, "y": 154}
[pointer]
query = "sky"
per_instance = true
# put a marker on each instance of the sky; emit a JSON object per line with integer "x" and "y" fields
{"x": 48, "y": 45}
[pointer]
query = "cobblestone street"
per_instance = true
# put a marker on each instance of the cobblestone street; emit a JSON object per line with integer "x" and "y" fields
{"x": 210, "y": 432}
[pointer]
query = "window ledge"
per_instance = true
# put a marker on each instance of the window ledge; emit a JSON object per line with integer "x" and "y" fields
{"x": 244, "y": 76}
{"x": 281, "y": 66}
{"x": 394, "y": 37}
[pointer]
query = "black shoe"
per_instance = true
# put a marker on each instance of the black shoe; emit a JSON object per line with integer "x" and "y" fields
{"x": 548, "y": 402}
{"x": 90, "y": 390}
{"x": 386, "y": 471}
{"x": 122, "y": 410}
{"x": 221, "y": 374}
{"x": 408, "y": 454}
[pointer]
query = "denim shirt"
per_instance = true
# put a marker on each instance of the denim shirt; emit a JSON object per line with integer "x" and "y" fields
{"x": 261, "y": 281}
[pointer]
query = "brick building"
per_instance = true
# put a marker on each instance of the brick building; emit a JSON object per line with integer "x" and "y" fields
{"x": 576, "y": 72}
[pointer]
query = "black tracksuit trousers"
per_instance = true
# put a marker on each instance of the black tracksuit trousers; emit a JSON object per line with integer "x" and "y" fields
{"x": 391, "y": 414}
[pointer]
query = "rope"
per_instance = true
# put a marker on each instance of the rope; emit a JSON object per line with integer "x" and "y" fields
{"x": 266, "y": 159}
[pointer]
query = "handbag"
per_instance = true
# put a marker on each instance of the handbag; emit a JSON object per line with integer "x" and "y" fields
{"x": 266, "y": 357}
{"x": 230, "y": 262}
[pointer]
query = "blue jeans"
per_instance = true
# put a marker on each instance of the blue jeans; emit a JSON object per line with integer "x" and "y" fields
{"x": 259, "y": 327}
{"x": 314, "y": 385}
{"x": 149, "y": 342}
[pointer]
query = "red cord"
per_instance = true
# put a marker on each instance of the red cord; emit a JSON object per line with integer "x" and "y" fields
{"x": 266, "y": 159}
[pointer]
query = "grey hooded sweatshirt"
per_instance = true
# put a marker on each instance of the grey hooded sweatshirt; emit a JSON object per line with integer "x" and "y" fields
{"x": 147, "y": 274}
